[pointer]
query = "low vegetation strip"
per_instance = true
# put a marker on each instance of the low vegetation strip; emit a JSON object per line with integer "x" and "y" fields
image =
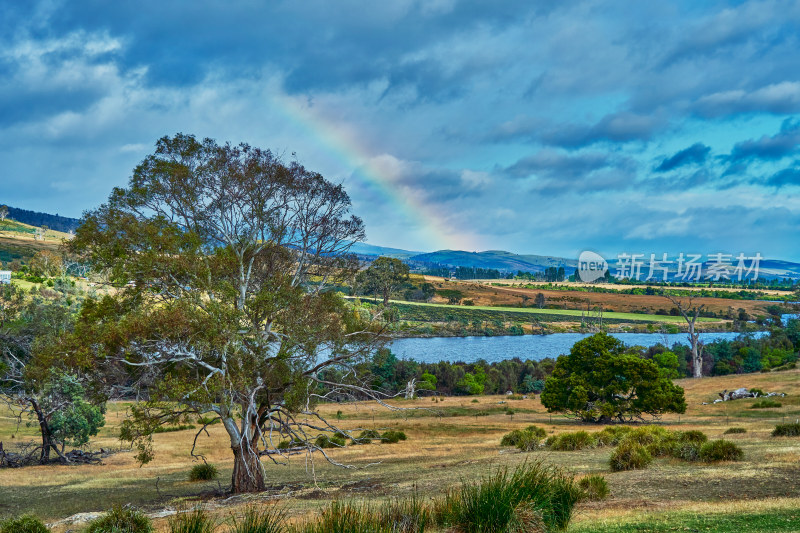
{"x": 439, "y": 312}
{"x": 758, "y": 522}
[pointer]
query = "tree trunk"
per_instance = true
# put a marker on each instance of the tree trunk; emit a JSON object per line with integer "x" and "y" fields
{"x": 44, "y": 428}
{"x": 248, "y": 472}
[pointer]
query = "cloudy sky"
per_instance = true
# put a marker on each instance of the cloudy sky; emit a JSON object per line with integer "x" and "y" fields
{"x": 615, "y": 126}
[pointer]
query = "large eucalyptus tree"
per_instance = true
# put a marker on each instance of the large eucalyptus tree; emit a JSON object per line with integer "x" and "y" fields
{"x": 221, "y": 256}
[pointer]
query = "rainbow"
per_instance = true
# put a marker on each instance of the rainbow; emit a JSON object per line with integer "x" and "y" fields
{"x": 343, "y": 147}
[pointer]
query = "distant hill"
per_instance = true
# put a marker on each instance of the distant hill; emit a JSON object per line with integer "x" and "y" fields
{"x": 364, "y": 249}
{"x": 494, "y": 259}
{"x": 35, "y": 218}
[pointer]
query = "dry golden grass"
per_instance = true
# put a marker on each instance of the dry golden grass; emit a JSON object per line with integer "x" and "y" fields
{"x": 441, "y": 451}
{"x": 483, "y": 293}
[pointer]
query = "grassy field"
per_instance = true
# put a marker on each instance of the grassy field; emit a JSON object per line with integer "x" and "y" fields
{"x": 547, "y": 313}
{"x": 17, "y": 241}
{"x": 514, "y": 295}
{"x": 450, "y": 441}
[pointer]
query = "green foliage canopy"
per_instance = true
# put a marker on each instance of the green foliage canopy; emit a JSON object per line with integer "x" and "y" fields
{"x": 599, "y": 382}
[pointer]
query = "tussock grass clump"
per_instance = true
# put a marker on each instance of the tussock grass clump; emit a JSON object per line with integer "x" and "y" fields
{"x": 525, "y": 439}
{"x": 611, "y": 435}
{"x": 393, "y": 436}
{"x": 408, "y": 516}
{"x": 732, "y": 431}
{"x": 766, "y": 403}
{"x": 121, "y": 520}
{"x": 629, "y": 455}
{"x": 533, "y": 497}
{"x": 594, "y": 487}
{"x": 786, "y": 430}
{"x": 330, "y": 441}
{"x": 720, "y": 450}
{"x": 263, "y": 519}
{"x": 648, "y": 435}
{"x": 572, "y": 441}
{"x": 203, "y": 472}
{"x": 196, "y": 521}
{"x": 24, "y": 524}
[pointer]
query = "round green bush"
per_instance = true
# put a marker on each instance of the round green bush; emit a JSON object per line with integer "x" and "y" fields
{"x": 330, "y": 441}
{"x": 24, "y": 524}
{"x": 731, "y": 431}
{"x": 629, "y": 455}
{"x": 536, "y": 430}
{"x": 594, "y": 487}
{"x": 686, "y": 451}
{"x": 720, "y": 450}
{"x": 203, "y": 472}
{"x": 693, "y": 436}
{"x": 393, "y": 436}
{"x": 367, "y": 436}
{"x": 121, "y": 520}
{"x": 786, "y": 430}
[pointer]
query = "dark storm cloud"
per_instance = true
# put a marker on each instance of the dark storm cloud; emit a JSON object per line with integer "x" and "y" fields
{"x": 694, "y": 155}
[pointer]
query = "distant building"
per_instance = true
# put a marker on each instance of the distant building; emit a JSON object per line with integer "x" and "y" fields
{"x": 5, "y": 276}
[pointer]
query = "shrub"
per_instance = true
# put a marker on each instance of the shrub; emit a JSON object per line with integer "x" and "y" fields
{"x": 731, "y": 431}
{"x": 536, "y": 430}
{"x": 766, "y": 403}
{"x": 203, "y": 472}
{"x": 720, "y": 450}
{"x": 533, "y": 497}
{"x": 692, "y": 436}
{"x": 572, "y": 441}
{"x": 629, "y": 455}
{"x": 367, "y": 436}
{"x": 786, "y": 430}
{"x": 330, "y": 441}
{"x": 121, "y": 520}
{"x": 392, "y": 436}
{"x": 196, "y": 521}
{"x": 594, "y": 487}
{"x": 264, "y": 519}
{"x": 528, "y": 442}
{"x": 687, "y": 451}
{"x": 757, "y": 391}
{"x": 24, "y": 524}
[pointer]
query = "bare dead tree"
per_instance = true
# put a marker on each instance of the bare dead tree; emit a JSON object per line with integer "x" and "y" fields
{"x": 690, "y": 312}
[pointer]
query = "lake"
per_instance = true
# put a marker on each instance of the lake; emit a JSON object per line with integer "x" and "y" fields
{"x": 534, "y": 347}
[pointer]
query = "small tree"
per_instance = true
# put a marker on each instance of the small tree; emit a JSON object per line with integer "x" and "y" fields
{"x": 599, "y": 382}
{"x": 33, "y": 383}
{"x": 540, "y": 300}
{"x": 384, "y": 276}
